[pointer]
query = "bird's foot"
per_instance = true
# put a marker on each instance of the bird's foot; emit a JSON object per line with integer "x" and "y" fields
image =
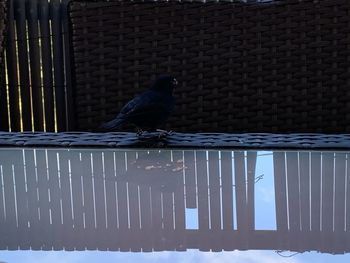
{"x": 163, "y": 133}
{"x": 139, "y": 132}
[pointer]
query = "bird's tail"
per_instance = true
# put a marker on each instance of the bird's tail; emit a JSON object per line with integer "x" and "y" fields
{"x": 112, "y": 125}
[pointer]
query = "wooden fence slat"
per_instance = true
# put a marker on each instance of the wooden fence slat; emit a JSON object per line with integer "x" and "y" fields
{"x": 339, "y": 202}
{"x": 55, "y": 199}
{"x": 293, "y": 198}
{"x": 3, "y": 230}
{"x": 304, "y": 173}
{"x": 179, "y": 200}
{"x": 227, "y": 199}
{"x": 315, "y": 197}
{"x": 145, "y": 218}
{"x": 241, "y": 198}
{"x": 190, "y": 179}
{"x": 167, "y": 197}
{"x": 251, "y": 165}
{"x": 46, "y": 57}
{"x": 77, "y": 201}
{"x": 347, "y": 196}
{"x": 43, "y": 187}
{"x": 100, "y": 206}
{"x": 140, "y": 177}
{"x": 34, "y": 56}
{"x": 65, "y": 175}
{"x": 203, "y": 202}
{"x": 4, "y": 113}
{"x": 111, "y": 200}
{"x": 21, "y": 197}
{"x": 279, "y": 167}
{"x": 58, "y": 61}
{"x": 280, "y": 190}
{"x": 214, "y": 200}
{"x": 20, "y": 13}
{"x": 89, "y": 209}
{"x": 327, "y": 198}
{"x": 71, "y": 121}
{"x": 133, "y": 198}
{"x": 156, "y": 206}
{"x": 12, "y": 70}
{"x": 122, "y": 193}
{"x": 11, "y": 230}
{"x": 33, "y": 201}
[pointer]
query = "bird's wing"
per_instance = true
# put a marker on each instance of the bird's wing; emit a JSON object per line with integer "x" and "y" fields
{"x": 144, "y": 104}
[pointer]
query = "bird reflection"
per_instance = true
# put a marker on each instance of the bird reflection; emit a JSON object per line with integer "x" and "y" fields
{"x": 155, "y": 169}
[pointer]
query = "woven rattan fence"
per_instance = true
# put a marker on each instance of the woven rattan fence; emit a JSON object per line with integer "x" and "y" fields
{"x": 280, "y": 66}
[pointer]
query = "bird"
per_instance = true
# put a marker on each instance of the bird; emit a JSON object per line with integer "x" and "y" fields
{"x": 148, "y": 110}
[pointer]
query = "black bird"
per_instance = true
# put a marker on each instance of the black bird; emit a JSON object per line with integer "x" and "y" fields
{"x": 148, "y": 110}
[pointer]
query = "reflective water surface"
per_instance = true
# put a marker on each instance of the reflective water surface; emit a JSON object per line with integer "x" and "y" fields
{"x": 265, "y": 206}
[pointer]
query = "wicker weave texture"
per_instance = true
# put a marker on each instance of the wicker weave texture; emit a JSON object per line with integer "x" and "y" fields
{"x": 259, "y": 67}
{"x": 254, "y": 141}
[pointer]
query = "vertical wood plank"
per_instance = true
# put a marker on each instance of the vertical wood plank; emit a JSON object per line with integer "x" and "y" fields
{"x": 122, "y": 198}
{"x": 21, "y": 197}
{"x": 190, "y": 179}
{"x": 167, "y": 220}
{"x": 100, "y": 206}
{"x": 68, "y": 65}
{"x": 57, "y": 41}
{"x": 4, "y": 113}
{"x": 179, "y": 201}
{"x": 203, "y": 202}
{"x": 241, "y": 197}
{"x": 138, "y": 176}
{"x": 11, "y": 219}
{"x": 251, "y": 164}
{"x": 33, "y": 201}
{"x": 55, "y": 198}
{"x": 111, "y": 200}
{"x": 133, "y": 198}
{"x": 2, "y": 206}
{"x": 227, "y": 199}
{"x": 327, "y": 198}
{"x": 339, "y": 203}
{"x": 280, "y": 190}
{"x": 77, "y": 202}
{"x": 89, "y": 208}
{"x": 293, "y": 198}
{"x": 145, "y": 218}
{"x": 167, "y": 197}
{"x": 46, "y": 57}
{"x": 347, "y": 207}
{"x": 20, "y": 12}
{"x": 32, "y": 20}
{"x": 214, "y": 201}
{"x": 65, "y": 178}
{"x": 304, "y": 172}
{"x": 11, "y": 60}
{"x": 156, "y": 204}
{"x": 315, "y": 197}
{"x": 279, "y": 167}
{"x": 43, "y": 187}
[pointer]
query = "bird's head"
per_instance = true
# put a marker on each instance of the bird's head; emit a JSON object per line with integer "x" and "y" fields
{"x": 165, "y": 83}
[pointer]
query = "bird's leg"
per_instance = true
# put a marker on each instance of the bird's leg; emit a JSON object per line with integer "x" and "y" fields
{"x": 163, "y": 133}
